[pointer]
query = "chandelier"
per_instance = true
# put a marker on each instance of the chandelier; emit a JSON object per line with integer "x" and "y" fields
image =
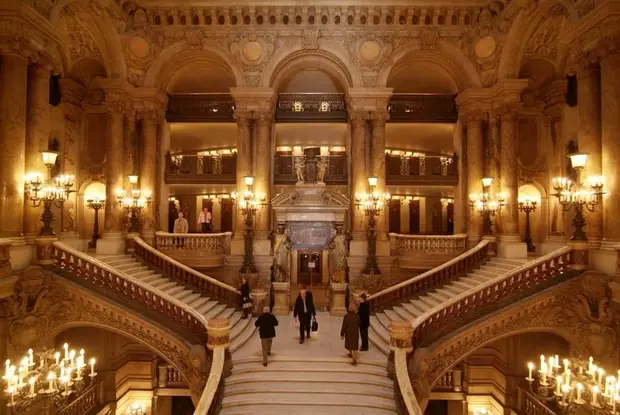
{"x": 134, "y": 204}
{"x": 485, "y": 205}
{"x": 572, "y": 382}
{"x": 53, "y": 375}
{"x": 372, "y": 203}
{"x": 136, "y": 408}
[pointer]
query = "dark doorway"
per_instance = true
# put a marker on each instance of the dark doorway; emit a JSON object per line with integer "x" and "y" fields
{"x": 436, "y": 408}
{"x": 182, "y": 405}
{"x": 309, "y": 271}
{"x": 227, "y": 216}
{"x": 394, "y": 212}
{"x": 414, "y": 217}
{"x": 450, "y": 219}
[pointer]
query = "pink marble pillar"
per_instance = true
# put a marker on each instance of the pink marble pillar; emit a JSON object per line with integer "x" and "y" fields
{"x": 114, "y": 224}
{"x": 37, "y": 137}
{"x": 589, "y": 99}
{"x": 244, "y": 160}
{"x": 262, "y": 170}
{"x": 13, "y": 99}
{"x": 148, "y": 171}
{"x": 359, "y": 173}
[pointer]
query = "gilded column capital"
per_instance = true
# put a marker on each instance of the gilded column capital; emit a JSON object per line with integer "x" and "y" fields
{"x": 243, "y": 118}
{"x": 358, "y": 116}
{"x": 19, "y": 47}
{"x": 507, "y": 112}
{"x": 473, "y": 114}
{"x": 379, "y": 117}
{"x": 263, "y": 118}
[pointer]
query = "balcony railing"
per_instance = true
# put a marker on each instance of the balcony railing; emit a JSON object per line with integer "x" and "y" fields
{"x": 169, "y": 377}
{"x": 201, "y": 108}
{"x": 196, "y": 250}
{"x": 423, "y": 252}
{"x": 423, "y": 108}
{"x": 86, "y": 402}
{"x": 284, "y": 169}
{"x": 421, "y": 169}
{"x": 528, "y": 404}
{"x": 201, "y": 169}
{"x": 311, "y": 107}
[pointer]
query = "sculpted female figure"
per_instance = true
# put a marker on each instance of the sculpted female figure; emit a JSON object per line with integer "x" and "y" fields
{"x": 338, "y": 255}
{"x": 281, "y": 247}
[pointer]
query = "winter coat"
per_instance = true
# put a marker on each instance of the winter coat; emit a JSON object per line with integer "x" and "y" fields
{"x": 350, "y": 331}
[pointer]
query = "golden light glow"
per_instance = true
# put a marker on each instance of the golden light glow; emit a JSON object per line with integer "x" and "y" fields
{"x": 578, "y": 160}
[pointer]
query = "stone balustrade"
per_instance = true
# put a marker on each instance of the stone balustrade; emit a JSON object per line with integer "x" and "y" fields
{"x": 170, "y": 377}
{"x": 527, "y": 403}
{"x": 197, "y": 243}
{"x": 432, "y": 279}
{"x": 428, "y": 251}
{"x": 86, "y": 402}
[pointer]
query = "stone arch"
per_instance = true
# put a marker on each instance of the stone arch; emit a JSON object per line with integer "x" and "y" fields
{"x": 177, "y": 56}
{"x": 280, "y": 68}
{"x": 523, "y": 28}
{"x": 445, "y": 55}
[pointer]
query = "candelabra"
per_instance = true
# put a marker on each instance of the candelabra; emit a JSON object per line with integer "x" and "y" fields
{"x": 136, "y": 408}
{"x": 95, "y": 203}
{"x": 53, "y": 378}
{"x": 133, "y": 205}
{"x": 485, "y": 205}
{"x": 248, "y": 204}
{"x": 49, "y": 192}
{"x": 528, "y": 206}
{"x": 579, "y": 384}
{"x": 372, "y": 203}
{"x": 578, "y": 196}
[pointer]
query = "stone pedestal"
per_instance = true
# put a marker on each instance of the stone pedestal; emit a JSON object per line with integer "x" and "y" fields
{"x": 45, "y": 250}
{"x": 281, "y": 304}
{"x": 259, "y": 299}
{"x": 130, "y": 244}
{"x": 510, "y": 246}
{"x": 579, "y": 256}
{"x": 553, "y": 242}
{"x": 112, "y": 243}
{"x": 219, "y": 336}
{"x": 492, "y": 244}
{"x": 401, "y": 337}
{"x": 337, "y": 302}
{"x": 22, "y": 255}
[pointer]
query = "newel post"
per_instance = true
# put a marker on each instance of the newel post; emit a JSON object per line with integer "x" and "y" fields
{"x": 401, "y": 337}
{"x": 579, "y": 255}
{"x": 218, "y": 335}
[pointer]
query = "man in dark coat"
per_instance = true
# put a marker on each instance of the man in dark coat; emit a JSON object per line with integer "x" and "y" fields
{"x": 304, "y": 309}
{"x": 266, "y": 324}
{"x": 350, "y": 333}
{"x": 363, "y": 311}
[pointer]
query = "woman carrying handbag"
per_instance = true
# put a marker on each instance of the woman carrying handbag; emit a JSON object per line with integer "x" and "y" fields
{"x": 246, "y": 301}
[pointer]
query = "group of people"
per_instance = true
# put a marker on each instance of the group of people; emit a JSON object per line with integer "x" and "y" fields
{"x": 355, "y": 324}
{"x": 204, "y": 220}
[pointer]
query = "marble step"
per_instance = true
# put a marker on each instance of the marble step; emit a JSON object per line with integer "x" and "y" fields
{"x": 310, "y": 399}
{"x": 353, "y": 388}
{"x": 303, "y": 408}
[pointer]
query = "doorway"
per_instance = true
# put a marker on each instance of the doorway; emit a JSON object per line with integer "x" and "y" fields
{"x": 309, "y": 269}
{"x": 227, "y": 215}
{"x": 414, "y": 217}
{"x": 450, "y": 219}
{"x": 394, "y": 213}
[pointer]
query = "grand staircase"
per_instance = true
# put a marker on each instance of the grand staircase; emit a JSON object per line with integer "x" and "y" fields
{"x": 411, "y": 309}
{"x": 210, "y": 308}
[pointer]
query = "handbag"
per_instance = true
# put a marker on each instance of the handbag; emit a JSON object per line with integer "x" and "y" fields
{"x": 315, "y": 325}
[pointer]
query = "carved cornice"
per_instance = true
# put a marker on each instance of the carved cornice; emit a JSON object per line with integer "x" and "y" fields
{"x": 598, "y": 23}
{"x": 369, "y": 99}
{"x": 259, "y": 100}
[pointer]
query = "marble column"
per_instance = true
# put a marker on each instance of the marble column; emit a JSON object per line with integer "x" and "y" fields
{"x": 510, "y": 244}
{"x": 359, "y": 173}
{"x": 112, "y": 242}
{"x": 610, "y": 117}
{"x": 37, "y": 136}
{"x": 492, "y": 152}
{"x": 377, "y": 164}
{"x": 131, "y": 156}
{"x": 262, "y": 170}
{"x": 163, "y": 192}
{"x": 589, "y": 103}
{"x": 475, "y": 171}
{"x": 460, "y": 190}
{"x": 148, "y": 172}
{"x": 556, "y": 169}
{"x": 244, "y": 161}
{"x": 13, "y": 99}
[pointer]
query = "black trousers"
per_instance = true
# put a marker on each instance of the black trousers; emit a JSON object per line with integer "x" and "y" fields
{"x": 205, "y": 227}
{"x": 364, "y": 336}
{"x": 304, "y": 325}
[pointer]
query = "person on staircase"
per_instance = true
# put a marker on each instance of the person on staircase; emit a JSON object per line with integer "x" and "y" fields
{"x": 305, "y": 311}
{"x": 246, "y": 300}
{"x": 363, "y": 310}
{"x": 350, "y": 333}
{"x": 266, "y": 324}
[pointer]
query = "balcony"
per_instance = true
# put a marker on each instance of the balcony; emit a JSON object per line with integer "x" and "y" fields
{"x": 201, "y": 168}
{"x": 411, "y": 168}
{"x": 423, "y": 108}
{"x": 286, "y": 173}
{"x": 311, "y": 107}
{"x": 201, "y": 108}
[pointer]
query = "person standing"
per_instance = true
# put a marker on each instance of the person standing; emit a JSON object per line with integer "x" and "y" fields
{"x": 363, "y": 311}
{"x": 180, "y": 226}
{"x": 246, "y": 301}
{"x": 305, "y": 311}
{"x": 205, "y": 220}
{"x": 266, "y": 324}
{"x": 350, "y": 333}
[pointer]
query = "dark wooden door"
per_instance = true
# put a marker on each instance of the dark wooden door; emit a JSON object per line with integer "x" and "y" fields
{"x": 227, "y": 216}
{"x": 394, "y": 216}
{"x": 309, "y": 272}
{"x": 208, "y": 203}
{"x": 450, "y": 219}
{"x": 414, "y": 217}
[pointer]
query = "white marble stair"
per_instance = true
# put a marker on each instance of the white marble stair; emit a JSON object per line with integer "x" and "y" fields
{"x": 308, "y": 385}
{"x": 241, "y": 329}
{"x": 379, "y": 334}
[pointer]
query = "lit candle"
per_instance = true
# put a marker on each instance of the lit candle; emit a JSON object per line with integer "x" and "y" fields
{"x": 50, "y": 378}
{"x": 66, "y": 346}
{"x": 557, "y": 361}
{"x": 31, "y": 381}
{"x": 595, "y": 391}
{"x": 558, "y": 384}
{"x": 11, "y": 391}
{"x": 593, "y": 373}
{"x": 600, "y": 375}
{"x": 590, "y": 365}
{"x": 72, "y": 357}
{"x": 20, "y": 372}
{"x": 8, "y": 365}
{"x": 530, "y": 366}
{"x": 567, "y": 374}
{"x": 565, "y": 364}
{"x": 606, "y": 393}
{"x": 579, "y": 389}
{"x": 551, "y": 365}
{"x": 92, "y": 366}
{"x": 542, "y": 359}
{"x": 57, "y": 356}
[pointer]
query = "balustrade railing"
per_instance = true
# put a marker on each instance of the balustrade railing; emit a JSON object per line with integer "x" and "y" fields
{"x": 423, "y": 108}
{"x": 421, "y": 169}
{"x": 200, "y": 243}
{"x": 432, "y": 279}
{"x": 441, "y": 244}
{"x": 213, "y": 393}
{"x": 86, "y": 402}
{"x": 201, "y": 169}
{"x": 186, "y": 276}
{"x": 169, "y": 377}
{"x": 528, "y": 404}
{"x": 86, "y": 269}
{"x": 311, "y": 106}
{"x": 494, "y": 293}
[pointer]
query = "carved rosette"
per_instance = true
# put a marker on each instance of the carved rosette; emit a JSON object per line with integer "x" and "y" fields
{"x": 218, "y": 332}
{"x": 5, "y": 257}
{"x": 401, "y": 335}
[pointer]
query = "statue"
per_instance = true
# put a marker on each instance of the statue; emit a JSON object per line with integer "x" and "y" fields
{"x": 300, "y": 165}
{"x": 322, "y": 168}
{"x": 339, "y": 247}
{"x": 280, "y": 249}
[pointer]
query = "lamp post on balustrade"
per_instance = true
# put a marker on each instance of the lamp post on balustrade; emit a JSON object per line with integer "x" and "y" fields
{"x": 528, "y": 206}
{"x": 133, "y": 207}
{"x": 248, "y": 203}
{"x": 372, "y": 204}
{"x": 95, "y": 203}
{"x": 487, "y": 206}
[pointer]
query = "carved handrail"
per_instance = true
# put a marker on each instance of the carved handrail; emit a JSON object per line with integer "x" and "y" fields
{"x": 530, "y": 405}
{"x": 186, "y": 276}
{"x": 170, "y": 377}
{"x": 513, "y": 284}
{"x": 84, "y": 403}
{"x": 404, "y": 244}
{"x": 92, "y": 271}
{"x": 431, "y": 279}
{"x": 212, "y": 394}
{"x": 405, "y": 397}
{"x": 215, "y": 243}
